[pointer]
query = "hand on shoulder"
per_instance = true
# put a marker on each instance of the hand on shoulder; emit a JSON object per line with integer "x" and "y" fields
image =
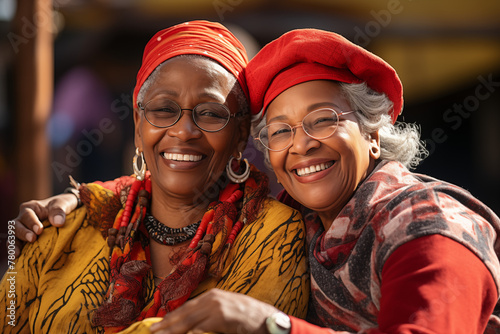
{"x": 28, "y": 223}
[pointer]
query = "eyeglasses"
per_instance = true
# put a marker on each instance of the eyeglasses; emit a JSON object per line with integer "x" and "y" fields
{"x": 208, "y": 116}
{"x": 318, "y": 124}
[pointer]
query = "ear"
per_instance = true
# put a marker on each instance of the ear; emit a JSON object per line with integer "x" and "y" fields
{"x": 137, "y": 127}
{"x": 243, "y": 133}
{"x": 374, "y": 145}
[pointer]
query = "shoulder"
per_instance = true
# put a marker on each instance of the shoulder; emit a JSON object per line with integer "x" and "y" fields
{"x": 400, "y": 199}
{"x": 278, "y": 228}
{"x": 427, "y": 206}
{"x": 279, "y": 221}
{"x": 50, "y": 241}
{"x": 274, "y": 212}
{"x": 64, "y": 247}
{"x": 77, "y": 229}
{"x": 267, "y": 260}
{"x": 117, "y": 184}
{"x": 102, "y": 205}
{"x": 75, "y": 222}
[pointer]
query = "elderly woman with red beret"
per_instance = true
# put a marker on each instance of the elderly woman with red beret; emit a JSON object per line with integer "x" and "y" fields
{"x": 390, "y": 251}
{"x": 195, "y": 220}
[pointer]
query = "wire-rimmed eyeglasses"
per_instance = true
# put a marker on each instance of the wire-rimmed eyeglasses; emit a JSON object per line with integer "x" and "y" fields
{"x": 318, "y": 124}
{"x": 208, "y": 116}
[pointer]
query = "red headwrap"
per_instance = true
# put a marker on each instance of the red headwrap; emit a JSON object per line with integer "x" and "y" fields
{"x": 204, "y": 38}
{"x": 310, "y": 54}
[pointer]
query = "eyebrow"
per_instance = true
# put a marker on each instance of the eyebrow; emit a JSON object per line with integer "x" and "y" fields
{"x": 278, "y": 118}
{"x": 167, "y": 92}
{"x": 219, "y": 98}
{"x": 284, "y": 117}
{"x": 174, "y": 94}
{"x": 323, "y": 104}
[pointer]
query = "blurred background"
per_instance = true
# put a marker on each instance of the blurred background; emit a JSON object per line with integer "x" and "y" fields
{"x": 68, "y": 67}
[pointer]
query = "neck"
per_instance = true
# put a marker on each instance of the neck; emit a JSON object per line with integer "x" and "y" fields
{"x": 175, "y": 211}
{"x": 176, "y": 216}
{"x": 327, "y": 218}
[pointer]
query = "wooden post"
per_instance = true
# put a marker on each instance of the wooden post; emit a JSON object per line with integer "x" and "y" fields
{"x": 34, "y": 80}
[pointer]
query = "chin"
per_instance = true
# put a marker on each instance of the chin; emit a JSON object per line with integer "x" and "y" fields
{"x": 311, "y": 201}
{"x": 321, "y": 199}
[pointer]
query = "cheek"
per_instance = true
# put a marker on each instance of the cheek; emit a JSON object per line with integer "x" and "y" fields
{"x": 277, "y": 160}
{"x": 223, "y": 145}
{"x": 150, "y": 136}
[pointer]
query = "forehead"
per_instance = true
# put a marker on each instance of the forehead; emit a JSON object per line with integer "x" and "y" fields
{"x": 306, "y": 97}
{"x": 193, "y": 73}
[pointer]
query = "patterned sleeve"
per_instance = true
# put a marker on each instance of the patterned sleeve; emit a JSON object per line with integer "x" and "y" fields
{"x": 51, "y": 289}
{"x": 18, "y": 289}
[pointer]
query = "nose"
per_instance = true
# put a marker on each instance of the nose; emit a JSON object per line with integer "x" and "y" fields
{"x": 302, "y": 143}
{"x": 185, "y": 128}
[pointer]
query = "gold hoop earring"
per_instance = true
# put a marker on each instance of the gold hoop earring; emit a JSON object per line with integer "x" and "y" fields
{"x": 237, "y": 178}
{"x": 139, "y": 173}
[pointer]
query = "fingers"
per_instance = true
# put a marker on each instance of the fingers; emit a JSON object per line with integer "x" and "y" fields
{"x": 216, "y": 311}
{"x": 59, "y": 206}
{"x": 57, "y": 217}
{"x": 27, "y": 223}
{"x": 182, "y": 320}
{"x": 23, "y": 233}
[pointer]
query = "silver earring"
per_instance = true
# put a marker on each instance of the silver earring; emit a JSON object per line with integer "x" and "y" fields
{"x": 139, "y": 173}
{"x": 237, "y": 178}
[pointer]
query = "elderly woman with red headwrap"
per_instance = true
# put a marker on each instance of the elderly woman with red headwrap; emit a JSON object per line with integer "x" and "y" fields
{"x": 196, "y": 218}
{"x": 390, "y": 251}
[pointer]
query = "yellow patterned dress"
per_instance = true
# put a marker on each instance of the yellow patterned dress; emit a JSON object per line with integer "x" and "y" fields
{"x": 62, "y": 277}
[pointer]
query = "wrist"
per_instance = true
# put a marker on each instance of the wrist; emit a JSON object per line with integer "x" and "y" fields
{"x": 76, "y": 193}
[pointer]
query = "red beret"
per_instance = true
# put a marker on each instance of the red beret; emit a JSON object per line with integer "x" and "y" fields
{"x": 204, "y": 38}
{"x": 310, "y": 54}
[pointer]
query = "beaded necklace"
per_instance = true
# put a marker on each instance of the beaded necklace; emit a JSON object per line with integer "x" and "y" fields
{"x": 166, "y": 235}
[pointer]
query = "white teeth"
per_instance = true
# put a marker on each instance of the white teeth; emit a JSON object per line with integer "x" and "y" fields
{"x": 181, "y": 157}
{"x": 313, "y": 169}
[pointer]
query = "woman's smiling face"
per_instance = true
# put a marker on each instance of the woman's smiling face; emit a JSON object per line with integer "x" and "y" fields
{"x": 341, "y": 162}
{"x": 183, "y": 159}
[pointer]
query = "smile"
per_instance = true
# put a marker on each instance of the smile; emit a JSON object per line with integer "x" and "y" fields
{"x": 181, "y": 157}
{"x": 313, "y": 169}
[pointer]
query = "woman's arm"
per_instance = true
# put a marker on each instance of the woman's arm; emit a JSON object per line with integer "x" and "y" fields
{"x": 429, "y": 285}
{"x": 433, "y": 284}
{"x": 28, "y": 223}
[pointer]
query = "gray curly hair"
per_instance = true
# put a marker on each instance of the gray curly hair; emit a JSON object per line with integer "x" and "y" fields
{"x": 398, "y": 142}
